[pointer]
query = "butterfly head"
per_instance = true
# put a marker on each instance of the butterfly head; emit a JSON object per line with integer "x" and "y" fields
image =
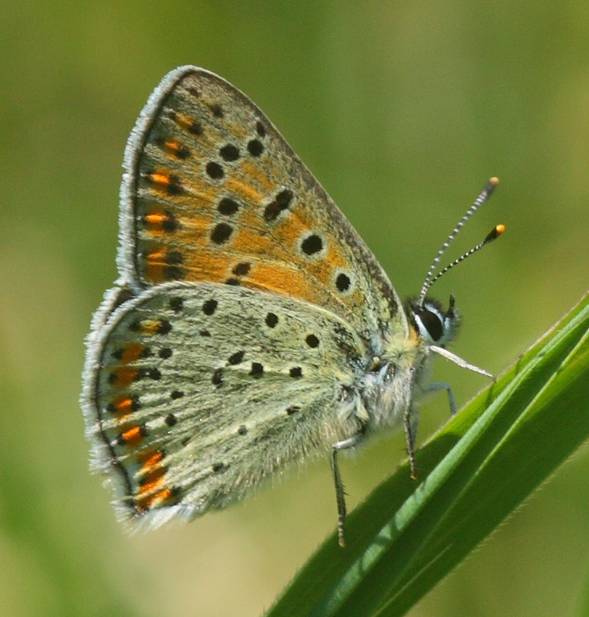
{"x": 434, "y": 325}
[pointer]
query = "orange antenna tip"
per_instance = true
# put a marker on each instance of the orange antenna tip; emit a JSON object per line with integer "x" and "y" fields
{"x": 494, "y": 181}
{"x": 497, "y": 231}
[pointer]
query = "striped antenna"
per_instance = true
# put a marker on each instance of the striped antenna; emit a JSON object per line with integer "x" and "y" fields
{"x": 498, "y": 230}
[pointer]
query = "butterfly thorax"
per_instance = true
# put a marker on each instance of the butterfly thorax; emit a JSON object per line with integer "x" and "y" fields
{"x": 387, "y": 386}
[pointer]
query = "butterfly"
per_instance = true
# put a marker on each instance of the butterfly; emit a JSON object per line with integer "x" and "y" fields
{"x": 250, "y": 326}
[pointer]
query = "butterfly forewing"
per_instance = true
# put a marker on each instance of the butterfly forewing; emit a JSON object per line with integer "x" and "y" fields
{"x": 213, "y": 193}
{"x": 201, "y": 390}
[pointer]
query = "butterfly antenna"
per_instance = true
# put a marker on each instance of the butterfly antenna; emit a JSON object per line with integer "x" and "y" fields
{"x": 482, "y": 197}
{"x": 497, "y": 231}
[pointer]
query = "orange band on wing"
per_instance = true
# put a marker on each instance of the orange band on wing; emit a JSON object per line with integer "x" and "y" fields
{"x": 246, "y": 192}
{"x": 132, "y": 436}
{"x": 150, "y": 459}
{"x": 256, "y": 174}
{"x": 123, "y": 376}
{"x": 151, "y": 501}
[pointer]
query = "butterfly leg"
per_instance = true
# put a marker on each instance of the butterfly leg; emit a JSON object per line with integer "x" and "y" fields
{"x": 440, "y": 385}
{"x": 410, "y": 418}
{"x": 340, "y": 494}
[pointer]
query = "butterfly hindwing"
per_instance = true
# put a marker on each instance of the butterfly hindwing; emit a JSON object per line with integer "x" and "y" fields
{"x": 212, "y": 192}
{"x": 199, "y": 391}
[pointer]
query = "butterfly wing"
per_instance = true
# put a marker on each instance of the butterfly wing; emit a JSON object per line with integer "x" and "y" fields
{"x": 199, "y": 391}
{"x": 212, "y": 192}
{"x": 246, "y": 309}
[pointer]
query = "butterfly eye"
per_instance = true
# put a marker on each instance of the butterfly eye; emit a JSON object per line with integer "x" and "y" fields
{"x": 433, "y": 324}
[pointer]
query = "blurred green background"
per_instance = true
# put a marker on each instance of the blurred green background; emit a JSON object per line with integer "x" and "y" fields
{"x": 402, "y": 110}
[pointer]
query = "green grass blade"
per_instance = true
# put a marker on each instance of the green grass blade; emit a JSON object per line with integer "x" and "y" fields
{"x": 475, "y": 471}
